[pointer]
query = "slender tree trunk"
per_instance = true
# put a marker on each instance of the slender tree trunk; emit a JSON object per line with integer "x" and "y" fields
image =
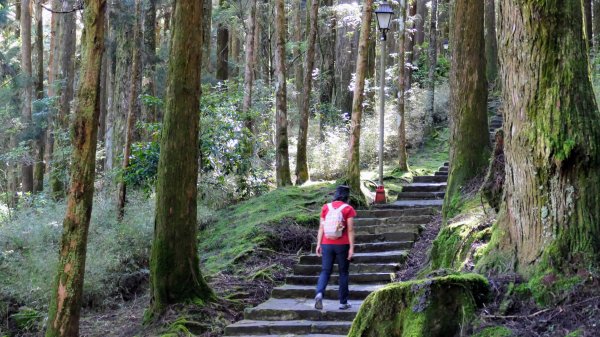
{"x": 53, "y": 62}
{"x": 65, "y": 306}
{"x": 174, "y": 265}
{"x": 282, "y": 165}
{"x": 131, "y": 114}
{"x": 301, "y": 158}
{"x": 39, "y": 168}
{"x": 551, "y": 212}
{"x": 222, "y": 49}
{"x": 353, "y": 172}
{"x": 469, "y": 138}
{"x": 111, "y": 86}
{"x": 443, "y": 24}
{"x": 420, "y": 21}
{"x": 206, "y": 30}
{"x": 402, "y": 157}
{"x": 234, "y": 39}
{"x": 432, "y": 61}
{"x": 328, "y": 60}
{"x": 18, "y": 18}
{"x": 491, "y": 44}
{"x": 587, "y": 10}
{"x": 596, "y": 24}
{"x": 149, "y": 60}
{"x": 410, "y": 43}
{"x": 249, "y": 67}
{"x": 27, "y": 95}
{"x": 297, "y": 51}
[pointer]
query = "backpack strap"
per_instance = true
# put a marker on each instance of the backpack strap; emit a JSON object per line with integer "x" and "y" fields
{"x": 342, "y": 207}
{"x": 330, "y": 207}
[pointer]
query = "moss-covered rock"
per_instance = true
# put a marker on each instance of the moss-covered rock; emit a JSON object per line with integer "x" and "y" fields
{"x": 429, "y": 307}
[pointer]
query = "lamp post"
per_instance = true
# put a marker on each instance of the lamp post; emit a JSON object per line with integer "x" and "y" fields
{"x": 384, "y": 14}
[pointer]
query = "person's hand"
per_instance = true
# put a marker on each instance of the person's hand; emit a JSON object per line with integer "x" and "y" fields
{"x": 319, "y": 250}
{"x": 350, "y": 253}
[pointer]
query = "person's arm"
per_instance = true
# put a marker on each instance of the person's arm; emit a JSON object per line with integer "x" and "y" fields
{"x": 320, "y": 237}
{"x": 351, "y": 237}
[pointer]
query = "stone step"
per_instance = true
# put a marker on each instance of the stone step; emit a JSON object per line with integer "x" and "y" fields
{"x": 377, "y": 246}
{"x": 385, "y": 237}
{"x": 420, "y": 195}
{"x": 355, "y": 268}
{"x": 390, "y": 228}
{"x": 397, "y": 256}
{"x": 424, "y": 187}
{"x": 443, "y": 168}
{"x": 430, "y": 179}
{"x": 293, "y": 327}
{"x": 373, "y": 278}
{"x": 357, "y": 292}
{"x": 439, "y": 173}
{"x": 395, "y": 213}
{"x": 416, "y": 219}
{"x": 291, "y": 335}
{"x": 447, "y": 163}
{"x": 402, "y": 204}
{"x": 277, "y": 309}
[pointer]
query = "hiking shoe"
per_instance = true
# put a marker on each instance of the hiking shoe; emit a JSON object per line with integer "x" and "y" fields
{"x": 345, "y": 306}
{"x": 319, "y": 301}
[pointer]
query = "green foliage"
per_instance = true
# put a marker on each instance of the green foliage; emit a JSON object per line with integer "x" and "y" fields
{"x": 28, "y": 319}
{"x": 143, "y": 163}
{"x": 494, "y": 331}
{"x": 549, "y": 288}
{"x": 421, "y": 73}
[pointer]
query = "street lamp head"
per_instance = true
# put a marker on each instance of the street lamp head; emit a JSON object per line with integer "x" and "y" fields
{"x": 445, "y": 44}
{"x": 384, "y": 14}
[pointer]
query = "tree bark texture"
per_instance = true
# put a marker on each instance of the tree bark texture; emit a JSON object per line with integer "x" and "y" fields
{"x": 596, "y": 24}
{"x": 353, "y": 172}
{"x": 551, "y": 216}
{"x": 174, "y": 266}
{"x": 40, "y": 131}
{"x": 298, "y": 66}
{"x": 432, "y": 61}
{"x": 402, "y": 157}
{"x": 491, "y": 43}
{"x": 469, "y": 136}
{"x": 131, "y": 114}
{"x": 302, "y": 175}
{"x": 149, "y": 59}
{"x": 410, "y": 43}
{"x": 249, "y": 66}
{"x": 65, "y": 306}
{"x": 420, "y": 21}
{"x": 222, "y": 49}
{"x": 587, "y": 19}
{"x": 282, "y": 165}
{"x": 27, "y": 95}
{"x": 327, "y": 42}
{"x": 206, "y": 30}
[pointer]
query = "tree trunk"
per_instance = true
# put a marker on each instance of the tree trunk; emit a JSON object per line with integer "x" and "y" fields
{"x": 491, "y": 44}
{"x": 206, "y": 30}
{"x": 27, "y": 95}
{"x": 150, "y": 113}
{"x": 432, "y": 61}
{"x": 297, "y": 51}
{"x": 174, "y": 265}
{"x": 551, "y": 206}
{"x": 222, "y": 49}
{"x": 420, "y": 22}
{"x": 39, "y": 168}
{"x": 328, "y": 59}
{"x": 53, "y": 63}
{"x": 596, "y": 24}
{"x": 234, "y": 39}
{"x": 302, "y": 175}
{"x": 65, "y": 305}
{"x": 402, "y": 157}
{"x": 353, "y": 172}
{"x": 111, "y": 87}
{"x": 282, "y": 165}
{"x": 587, "y": 10}
{"x": 410, "y": 43}
{"x": 249, "y": 66}
{"x": 444, "y": 8}
{"x": 131, "y": 114}
{"x": 469, "y": 135}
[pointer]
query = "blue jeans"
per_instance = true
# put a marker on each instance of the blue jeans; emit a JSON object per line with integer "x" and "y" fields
{"x": 338, "y": 253}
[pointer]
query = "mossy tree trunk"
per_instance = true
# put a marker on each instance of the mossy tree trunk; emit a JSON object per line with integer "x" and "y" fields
{"x": 587, "y": 19}
{"x": 353, "y": 171}
{"x": 551, "y": 209}
{"x": 491, "y": 43}
{"x": 282, "y": 165}
{"x": 27, "y": 94}
{"x": 222, "y": 49}
{"x": 133, "y": 107}
{"x": 327, "y": 43}
{"x": 65, "y": 305}
{"x": 432, "y": 60}
{"x": 301, "y": 158}
{"x": 596, "y": 23}
{"x": 402, "y": 157}
{"x": 249, "y": 66}
{"x": 469, "y": 137}
{"x": 40, "y": 132}
{"x": 206, "y": 30}
{"x": 174, "y": 265}
{"x": 149, "y": 60}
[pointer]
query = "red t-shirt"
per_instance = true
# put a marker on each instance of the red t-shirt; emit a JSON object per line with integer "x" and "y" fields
{"x": 348, "y": 212}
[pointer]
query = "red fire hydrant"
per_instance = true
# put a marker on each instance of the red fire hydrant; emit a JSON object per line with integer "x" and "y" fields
{"x": 380, "y": 195}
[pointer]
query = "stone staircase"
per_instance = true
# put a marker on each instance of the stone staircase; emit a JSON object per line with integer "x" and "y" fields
{"x": 384, "y": 236}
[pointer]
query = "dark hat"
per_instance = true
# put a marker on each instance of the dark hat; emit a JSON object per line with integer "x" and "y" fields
{"x": 342, "y": 193}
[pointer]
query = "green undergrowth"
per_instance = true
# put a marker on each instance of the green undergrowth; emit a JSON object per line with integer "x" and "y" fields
{"x": 241, "y": 229}
{"x": 431, "y": 307}
{"x": 494, "y": 331}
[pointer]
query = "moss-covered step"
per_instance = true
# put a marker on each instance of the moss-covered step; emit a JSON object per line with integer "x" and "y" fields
{"x": 430, "y": 179}
{"x": 355, "y": 278}
{"x": 277, "y": 309}
{"x": 424, "y": 187}
{"x": 441, "y": 173}
{"x": 435, "y": 307}
{"x": 356, "y": 268}
{"x": 357, "y": 291}
{"x": 295, "y": 327}
{"x": 395, "y": 213}
{"x": 396, "y": 256}
{"x": 407, "y": 235}
{"x": 420, "y": 195}
{"x": 409, "y": 219}
{"x": 404, "y": 204}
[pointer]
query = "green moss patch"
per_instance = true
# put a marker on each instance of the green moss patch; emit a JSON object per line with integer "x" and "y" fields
{"x": 494, "y": 331}
{"x": 243, "y": 228}
{"x": 429, "y": 307}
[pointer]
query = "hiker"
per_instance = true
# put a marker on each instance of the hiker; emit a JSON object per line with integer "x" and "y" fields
{"x": 335, "y": 242}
